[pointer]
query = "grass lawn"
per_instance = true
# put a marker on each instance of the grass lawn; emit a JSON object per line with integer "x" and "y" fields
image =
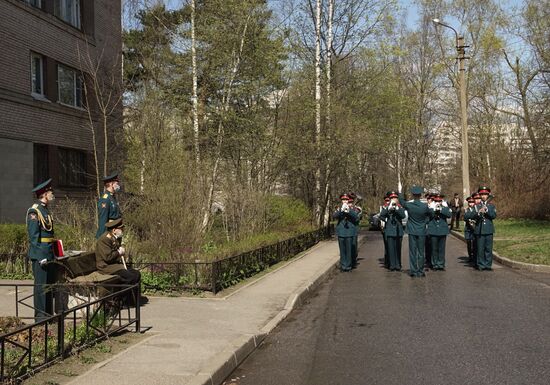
{"x": 523, "y": 240}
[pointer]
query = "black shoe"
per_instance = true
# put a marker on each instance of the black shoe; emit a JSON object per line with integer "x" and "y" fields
{"x": 422, "y": 275}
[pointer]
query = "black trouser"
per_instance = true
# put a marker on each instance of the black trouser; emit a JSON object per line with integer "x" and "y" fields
{"x": 129, "y": 277}
{"x": 455, "y": 219}
{"x": 472, "y": 250}
{"x": 428, "y": 252}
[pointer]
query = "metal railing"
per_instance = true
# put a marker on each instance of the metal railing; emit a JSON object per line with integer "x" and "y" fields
{"x": 32, "y": 347}
{"x": 218, "y": 274}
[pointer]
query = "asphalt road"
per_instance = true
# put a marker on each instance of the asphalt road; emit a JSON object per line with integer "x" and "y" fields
{"x": 371, "y": 326}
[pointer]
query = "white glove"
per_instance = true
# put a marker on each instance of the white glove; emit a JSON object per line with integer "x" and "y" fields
{"x": 432, "y": 205}
{"x": 444, "y": 204}
{"x": 43, "y": 262}
{"x": 345, "y": 207}
{"x": 121, "y": 250}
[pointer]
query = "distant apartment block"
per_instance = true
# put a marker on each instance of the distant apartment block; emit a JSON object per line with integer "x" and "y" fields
{"x": 44, "y": 124}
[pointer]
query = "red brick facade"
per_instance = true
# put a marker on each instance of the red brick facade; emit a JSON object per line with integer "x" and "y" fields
{"x": 25, "y": 29}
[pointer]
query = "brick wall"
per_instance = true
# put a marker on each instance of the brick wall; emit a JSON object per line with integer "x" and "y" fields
{"x": 23, "y": 118}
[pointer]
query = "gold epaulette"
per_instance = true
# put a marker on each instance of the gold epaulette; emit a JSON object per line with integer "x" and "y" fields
{"x": 105, "y": 196}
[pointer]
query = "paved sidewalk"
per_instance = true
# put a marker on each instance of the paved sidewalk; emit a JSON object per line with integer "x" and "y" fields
{"x": 200, "y": 341}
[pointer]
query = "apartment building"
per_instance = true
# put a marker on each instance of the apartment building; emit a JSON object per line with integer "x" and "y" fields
{"x": 45, "y": 50}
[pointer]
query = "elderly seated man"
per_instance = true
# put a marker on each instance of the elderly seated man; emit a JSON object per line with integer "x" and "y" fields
{"x": 109, "y": 254}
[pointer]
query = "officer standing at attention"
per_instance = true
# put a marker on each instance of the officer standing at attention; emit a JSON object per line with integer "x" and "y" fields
{"x": 107, "y": 206}
{"x": 469, "y": 228}
{"x": 416, "y": 228}
{"x": 438, "y": 230}
{"x": 41, "y": 236}
{"x": 354, "y": 246}
{"x": 345, "y": 228}
{"x": 393, "y": 214}
{"x": 485, "y": 229}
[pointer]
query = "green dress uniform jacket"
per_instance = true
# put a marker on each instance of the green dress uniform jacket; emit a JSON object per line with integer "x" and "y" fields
{"x": 393, "y": 219}
{"x": 108, "y": 209}
{"x": 437, "y": 224}
{"x": 345, "y": 230}
{"x": 438, "y": 231}
{"x": 484, "y": 231}
{"x": 41, "y": 233}
{"x": 416, "y": 228}
{"x": 393, "y": 232}
{"x": 107, "y": 257}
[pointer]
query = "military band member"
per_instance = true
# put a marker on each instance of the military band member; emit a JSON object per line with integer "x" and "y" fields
{"x": 382, "y": 229}
{"x": 469, "y": 227}
{"x": 438, "y": 230}
{"x": 354, "y": 246}
{"x": 416, "y": 228}
{"x": 107, "y": 205}
{"x": 486, "y": 213}
{"x": 41, "y": 237}
{"x": 393, "y": 214}
{"x": 345, "y": 230}
{"x": 428, "y": 245}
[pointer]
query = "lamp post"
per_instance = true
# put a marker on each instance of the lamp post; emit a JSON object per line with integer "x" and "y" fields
{"x": 461, "y": 51}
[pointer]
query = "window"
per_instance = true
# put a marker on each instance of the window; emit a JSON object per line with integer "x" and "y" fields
{"x": 34, "y": 3}
{"x": 41, "y": 163}
{"x": 72, "y": 167}
{"x": 68, "y": 11}
{"x": 37, "y": 74}
{"x": 69, "y": 86}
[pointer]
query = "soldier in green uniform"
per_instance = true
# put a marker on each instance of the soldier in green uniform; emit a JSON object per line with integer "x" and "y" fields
{"x": 469, "y": 227}
{"x": 345, "y": 229}
{"x": 109, "y": 253}
{"x": 41, "y": 237}
{"x": 485, "y": 229}
{"x": 427, "y": 245}
{"x": 393, "y": 214}
{"x": 383, "y": 229}
{"x": 107, "y": 205}
{"x": 438, "y": 231}
{"x": 416, "y": 228}
{"x": 354, "y": 246}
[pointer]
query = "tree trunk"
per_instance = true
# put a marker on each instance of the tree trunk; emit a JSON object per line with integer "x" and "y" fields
{"x": 318, "y": 110}
{"x": 225, "y": 106}
{"x": 194, "y": 97}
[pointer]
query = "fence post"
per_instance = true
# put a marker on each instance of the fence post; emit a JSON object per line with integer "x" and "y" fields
{"x": 215, "y": 276}
{"x": 61, "y": 334}
{"x": 138, "y": 305}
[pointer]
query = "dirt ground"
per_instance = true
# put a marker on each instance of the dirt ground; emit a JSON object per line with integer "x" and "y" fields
{"x": 64, "y": 371}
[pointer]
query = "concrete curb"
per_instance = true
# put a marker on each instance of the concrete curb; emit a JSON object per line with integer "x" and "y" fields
{"x": 225, "y": 362}
{"x": 510, "y": 263}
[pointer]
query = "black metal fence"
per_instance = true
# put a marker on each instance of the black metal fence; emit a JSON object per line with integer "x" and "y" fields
{"x": 35, "y": 346}
{"x": 219, "y": 274}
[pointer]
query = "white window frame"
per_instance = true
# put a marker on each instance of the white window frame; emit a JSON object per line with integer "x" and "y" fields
{"x": 41, "y": 69}
{"x": 68, "y": 11}
{"x": 76, "y": 87}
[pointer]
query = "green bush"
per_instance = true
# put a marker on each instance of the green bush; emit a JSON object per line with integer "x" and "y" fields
{"x": 13, "y": 239}
{"x": 287, "y": 213}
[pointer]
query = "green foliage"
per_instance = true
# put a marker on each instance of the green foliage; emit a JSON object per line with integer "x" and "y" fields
{"x": 523, "y": 240}
{"x": 13, "y": 238}
{"x": 287, "y": 213}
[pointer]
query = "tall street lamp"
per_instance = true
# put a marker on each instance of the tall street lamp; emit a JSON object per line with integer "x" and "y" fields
{"x": 461, "y": 50}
